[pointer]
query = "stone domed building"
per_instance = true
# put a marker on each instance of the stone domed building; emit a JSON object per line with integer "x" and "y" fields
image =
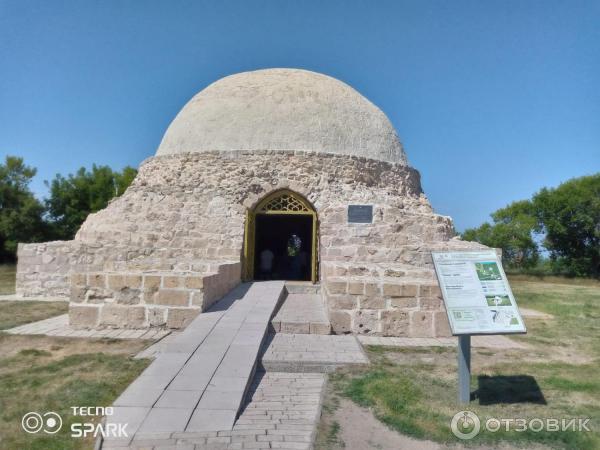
{"x": 272, "y": 174}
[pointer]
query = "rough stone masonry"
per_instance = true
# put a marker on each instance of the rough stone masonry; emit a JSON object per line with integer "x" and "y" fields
{"x": 172, "y": 244}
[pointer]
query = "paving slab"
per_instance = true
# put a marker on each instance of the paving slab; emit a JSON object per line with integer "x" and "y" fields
{"x": 211, "y": 420}
{"x": 165, "y": 420}
{"x": 281, "y": 410}
{"x": 199, "y": 377}
{"x": 59, "y": 326}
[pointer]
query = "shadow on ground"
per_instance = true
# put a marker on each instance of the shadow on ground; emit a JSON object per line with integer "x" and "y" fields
{"x": 493, "y": 390}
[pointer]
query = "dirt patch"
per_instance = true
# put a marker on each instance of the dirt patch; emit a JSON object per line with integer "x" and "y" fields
{"x": 358, "y": 429}
{"x": 351, "y": 427}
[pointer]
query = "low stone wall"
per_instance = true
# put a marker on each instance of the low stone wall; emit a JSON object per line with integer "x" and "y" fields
{"x": 147, "y": 299}
{"x": 384, "y": 300}
{"x": 44, "y": 269}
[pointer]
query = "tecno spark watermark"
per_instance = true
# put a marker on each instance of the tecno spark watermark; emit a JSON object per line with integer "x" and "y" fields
{"x": 466, "y": 424}
{"x": 51, "y": 423}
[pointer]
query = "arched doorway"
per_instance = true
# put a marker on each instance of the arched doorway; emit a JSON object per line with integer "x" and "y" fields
{"x": 280, "y": 241}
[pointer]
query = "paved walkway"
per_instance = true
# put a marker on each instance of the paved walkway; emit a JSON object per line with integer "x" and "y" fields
{"x": 282, "y": 411}
{"x": 59, "y": 326}
{"x": 495, "y": 341}
{"x": 310, "y": 353}
{"x": 199, "y": 380}
{"x": 302, "y": 313}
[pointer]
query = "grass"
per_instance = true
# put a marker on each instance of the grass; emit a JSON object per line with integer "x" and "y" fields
{"x": 40, "y": 373}
{"x": 413, "y": 390}
{"x": 8, "y": 273}
{"x": 15, "y": 313}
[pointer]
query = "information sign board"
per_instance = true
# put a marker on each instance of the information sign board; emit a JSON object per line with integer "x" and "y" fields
{"x": 476, "y": 293}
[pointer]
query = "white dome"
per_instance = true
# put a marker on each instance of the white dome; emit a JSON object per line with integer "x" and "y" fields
{"x": 283, "y": 109}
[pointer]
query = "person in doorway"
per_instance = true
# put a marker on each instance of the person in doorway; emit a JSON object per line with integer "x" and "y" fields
{"x": 266, "y": 264}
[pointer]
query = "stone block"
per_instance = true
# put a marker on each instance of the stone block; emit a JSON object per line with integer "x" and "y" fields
{"x": 320, "y": 328}
{"x": 181, "y": 317}
{"x": 97, "y": 280}
{"x": 295, "y": 327}
{"x": 172, "y": 282}
{"x": 128, "y": 296}
{"x": 133, "y": 281}
{"x": 83, "y": 316}
{"x": 77, "y": 294}
{"x": 356, "y": 287}
{"x": 404, "y": 302}
{"x": 430, "y": 290}
{"x": 421, "y": 324}
{"x": 157, "y": 317}
{"x": 173, "y": 297}
{"x": 441, "y": 325}
{"x": 151, "y": 282}
{"x": 336, "y": 302}
{"x": 198, "y": 299}
{"x": 366, "y": 322}
{"x": 394, "y": 273}
{"x": 113, "y": 315}
{"x": 400, "y": 290}
{"x": 79, "y": 279}
{"x": 194, "y": 282}
{"x": 123, "y": 316}
{"x": 371, "y": 302}
{"x": 136, "y": 317}
{"x": 150, "y": 297}
{"x": 116, "y": 282}
{"x": 336, "y": 287}
{"x": 394, "y": 323}
{"x": 341, "y": 322}
{"x": 98, "y": 295}
{"x": 372, "y": 289}
{"x": 430, "y": 304}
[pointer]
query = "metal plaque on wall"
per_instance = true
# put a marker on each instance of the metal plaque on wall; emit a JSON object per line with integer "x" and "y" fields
{"x": 360, "y": 213}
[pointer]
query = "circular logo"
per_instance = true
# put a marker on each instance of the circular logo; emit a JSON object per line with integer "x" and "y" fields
{"x": 465, "y": 425}
{"x": 53, "y": 422}
{"x": 32, "y": 422}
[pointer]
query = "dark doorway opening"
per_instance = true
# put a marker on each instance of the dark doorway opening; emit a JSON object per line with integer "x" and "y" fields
{"x": 284, "y": 240}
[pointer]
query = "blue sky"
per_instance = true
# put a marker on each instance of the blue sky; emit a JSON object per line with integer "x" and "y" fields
{"x": 492, "y": 100}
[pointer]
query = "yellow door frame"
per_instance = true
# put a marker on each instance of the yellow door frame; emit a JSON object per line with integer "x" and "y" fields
{"x": 284, "y": 202}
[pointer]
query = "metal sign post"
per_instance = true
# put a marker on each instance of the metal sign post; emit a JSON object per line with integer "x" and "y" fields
{"x": 478, "y": 300}
{"x": 464, "y": 368}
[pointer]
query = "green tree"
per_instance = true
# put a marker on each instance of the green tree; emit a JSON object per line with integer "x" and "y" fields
{"x": 569, "y": 216}
{"x": 513, "y": 231}
{"x": 74, "y": 197}
{"x": 20, "y": 212}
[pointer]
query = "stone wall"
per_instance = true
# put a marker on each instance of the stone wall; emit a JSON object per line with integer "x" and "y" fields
{"x": 43, "y": 269}
{"x": 146, "y": 299}
{"x": 188, "y": 210}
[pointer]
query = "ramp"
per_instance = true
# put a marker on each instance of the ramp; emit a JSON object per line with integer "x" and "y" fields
{"x": 199, "y": 381}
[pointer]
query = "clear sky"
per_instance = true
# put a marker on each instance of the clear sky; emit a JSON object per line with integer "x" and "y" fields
{"x": 492, "y": 99}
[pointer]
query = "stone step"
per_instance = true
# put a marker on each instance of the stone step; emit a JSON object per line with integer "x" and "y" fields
{"x": 302, "y": 314}
{"x": 302, "y": 287}
{"x": 310, "y": 353}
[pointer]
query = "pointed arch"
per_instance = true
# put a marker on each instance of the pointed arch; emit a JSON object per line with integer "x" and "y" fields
{"x": 279, "y": 202}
